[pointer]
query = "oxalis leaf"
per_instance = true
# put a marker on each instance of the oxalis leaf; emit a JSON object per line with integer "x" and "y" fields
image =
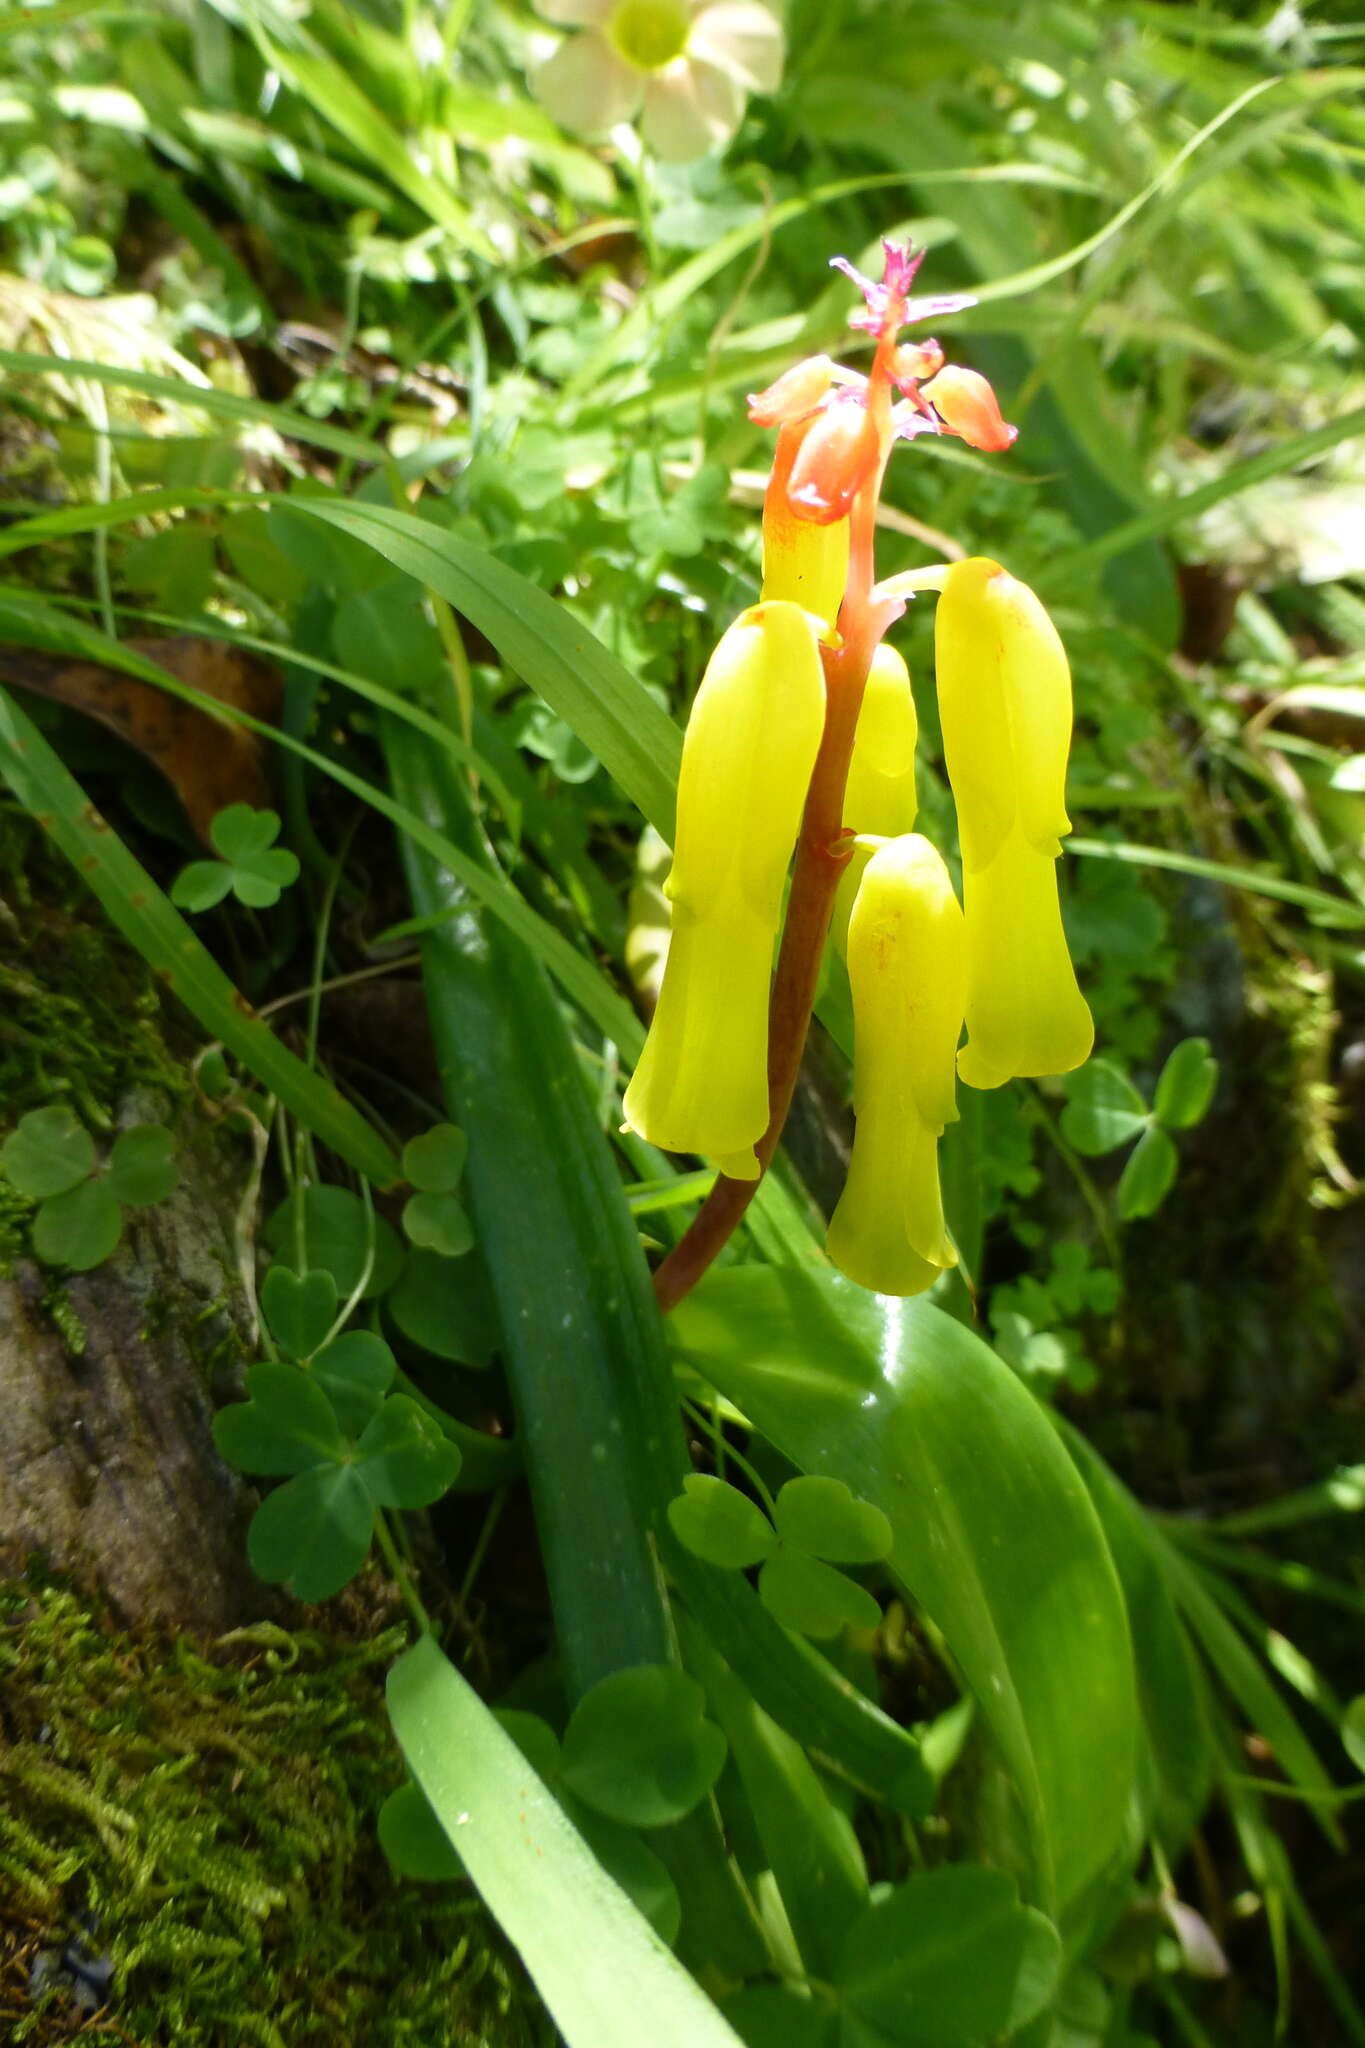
{"x": 47, "y": 1153}
{"x": 949, "y": 1959}
{"x": 993, "y": 1530}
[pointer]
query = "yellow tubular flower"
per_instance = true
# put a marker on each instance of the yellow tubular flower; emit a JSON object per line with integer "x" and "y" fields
{"x": 702, "y": 1081}
{"x": 880, "y": 793}
{"x": 803, "y": 563}
{"x": 907, "y": 971}
{"x": 1004, "y": 693}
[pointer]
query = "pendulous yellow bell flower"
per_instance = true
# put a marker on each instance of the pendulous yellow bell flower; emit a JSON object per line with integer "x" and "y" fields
{"x": 880, "y": 793}
{"x": 906, "y": 953}
{"x": 1004, "y": 693}
{"x": 702, "y": 1081}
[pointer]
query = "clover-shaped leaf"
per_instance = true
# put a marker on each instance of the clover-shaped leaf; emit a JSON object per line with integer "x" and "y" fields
{"x": 78, "y": 1229}
{"x": 1103, "y": 1109}
{"x": 50, "y": 1158}
{"x": 285, "y": 1426}
{"x": 403, "y": 1458}
{"x": 715, "y": 1521}
{"x": 1148, "y": 1175}
{"x": 948, "y": 1959}
{"x": 338, "y": 1231}
{"x": 252, "y": 867}
{"x": 437, "y": 1223}
{"x": 821, "y": 1517}
{"x": 1186, "y": 1084}
{"x": 299, "y": 1308}
{"x": 639, "y": 1747}
{"x": 48, "y": 1153}
{"x": 313, "y": 1533}
{"x": 434, "y": 1162}
{"x": 142, "y": 1167}
{"x": 413, "y": 1839}
{"x": 813, "y": 1598}
{"x": 445, "y": 1308}
{"x": 355, "y": 1372}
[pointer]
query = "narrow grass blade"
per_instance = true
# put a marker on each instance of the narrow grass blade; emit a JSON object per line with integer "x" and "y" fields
{"x": 1333, "y": 910}
{"x": 223, "y": 405}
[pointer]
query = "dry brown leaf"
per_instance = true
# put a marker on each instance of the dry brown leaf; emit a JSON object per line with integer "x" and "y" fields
{"x": 209, "y": 762}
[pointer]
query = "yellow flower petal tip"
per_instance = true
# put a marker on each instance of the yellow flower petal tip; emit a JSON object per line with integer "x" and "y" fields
{"x": 702, "y": 1081}
{"x": 880, "y": 794}
{"x": 907, "y": 971}
{"x": 1004, "y": 692}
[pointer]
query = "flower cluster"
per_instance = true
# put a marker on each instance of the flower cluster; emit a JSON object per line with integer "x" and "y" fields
{"x": 684, "y": 66}
{"x": 803, "y": 736}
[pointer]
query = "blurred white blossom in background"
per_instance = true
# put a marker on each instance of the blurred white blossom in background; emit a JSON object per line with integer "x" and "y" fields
{"x": 684, "y": 66}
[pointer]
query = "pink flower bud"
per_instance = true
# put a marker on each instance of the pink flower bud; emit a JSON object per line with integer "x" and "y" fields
{"x": 967, "y": 406}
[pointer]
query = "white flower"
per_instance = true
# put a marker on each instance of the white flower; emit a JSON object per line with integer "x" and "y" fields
{"x": 687, "y": 63}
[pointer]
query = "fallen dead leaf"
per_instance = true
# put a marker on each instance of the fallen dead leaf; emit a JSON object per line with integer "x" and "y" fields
{"x": 208, "y": 762}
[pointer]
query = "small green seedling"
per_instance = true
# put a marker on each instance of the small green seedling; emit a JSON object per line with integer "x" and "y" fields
{"x": 51, "y": 1158}
{"x": 252, "y": 867}
{"x": 344, "y": 1446}
{"x": 1104, "y": 1110}
{"x": 816, "y": 1525}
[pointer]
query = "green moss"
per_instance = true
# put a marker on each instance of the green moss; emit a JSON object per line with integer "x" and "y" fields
{"x": 206, "y": 1814}
{"x": 80, "y": 1010}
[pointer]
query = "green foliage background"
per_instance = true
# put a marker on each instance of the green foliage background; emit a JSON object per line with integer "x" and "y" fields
{"x": 322, "y": 341}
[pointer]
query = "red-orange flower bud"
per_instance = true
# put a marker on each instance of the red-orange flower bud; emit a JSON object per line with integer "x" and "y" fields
{"x": 916, "y": 360}
{"x": 796, "y": 392}
{"x": 838, "y": 453}
{"x": 966, "y": 404}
